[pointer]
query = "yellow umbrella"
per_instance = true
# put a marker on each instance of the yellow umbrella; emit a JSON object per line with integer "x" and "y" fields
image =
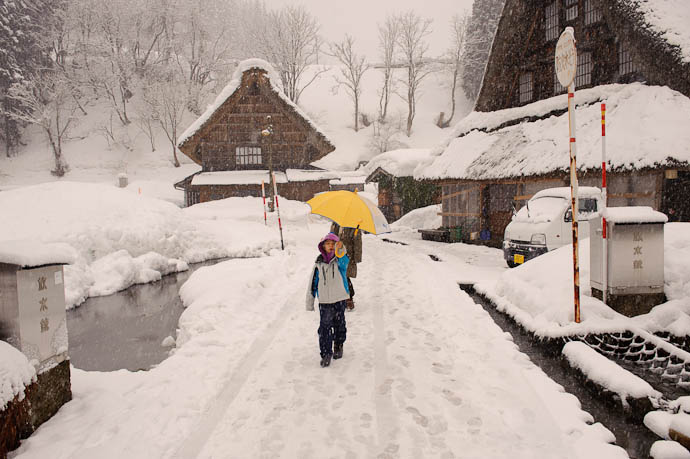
{"x": 350, "y": 210}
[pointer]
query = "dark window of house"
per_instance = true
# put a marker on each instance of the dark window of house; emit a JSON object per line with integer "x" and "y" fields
{"x": 551, "y": 18}
{"x": 583, "y": 77}
{"x": 592, "y": 12}
{"x": 570, "y": 9}
{"x": 526, "y": 87}
{"x": 558, "y": 88}
{"x": 247, "y": 155}
{"x": 254, "y": 89}
{"x": 626, "y": 64}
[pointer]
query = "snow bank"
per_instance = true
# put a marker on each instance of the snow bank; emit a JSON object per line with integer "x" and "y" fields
{"x": 655, "y": 114}
{"x": 539, "y": 294}
{"x": 425, "y": 217}
{"x": 667, "y": 449}
{"x": 118, "y": 238}
{"x": 15, "y": 374}
{"x": 606, "y": 373}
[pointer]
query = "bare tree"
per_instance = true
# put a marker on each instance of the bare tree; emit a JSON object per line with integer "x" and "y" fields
{"x": 167, "y": 102}
{"x": 459, "y": 33}
{"x": 289, "y": 40}
{"x": 413, "y": 47}
{"x": 388, "y": 37}
{"x": 386, "y": 136}
{"x": 49, "y": 103}
{"x": 353, "y": 68}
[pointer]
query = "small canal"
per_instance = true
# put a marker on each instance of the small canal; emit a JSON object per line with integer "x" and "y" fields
{"x": 125, "y": 330}
{"x": 632, "y": 436}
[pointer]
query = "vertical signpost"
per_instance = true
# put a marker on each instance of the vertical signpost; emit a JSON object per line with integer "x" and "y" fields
{"x": 280, "y": 224}
{"x": 263, "y": 195}
{"x": 604, "y": 237}
{"x": 566, "y": 68}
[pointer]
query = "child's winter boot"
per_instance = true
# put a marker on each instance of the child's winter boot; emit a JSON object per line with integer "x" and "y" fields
{"x": 338, "y": 351}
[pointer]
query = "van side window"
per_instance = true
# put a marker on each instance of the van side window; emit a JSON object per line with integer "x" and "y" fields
{"x": 587, "y": 207}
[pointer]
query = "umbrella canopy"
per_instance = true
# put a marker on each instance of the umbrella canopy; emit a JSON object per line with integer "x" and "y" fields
{"x": 350, "y": 210}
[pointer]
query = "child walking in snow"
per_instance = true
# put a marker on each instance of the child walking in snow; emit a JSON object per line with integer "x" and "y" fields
{"x": 328, "y": 281}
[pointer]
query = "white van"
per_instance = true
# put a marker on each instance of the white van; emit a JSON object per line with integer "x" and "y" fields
{"x": 545, "y": 223}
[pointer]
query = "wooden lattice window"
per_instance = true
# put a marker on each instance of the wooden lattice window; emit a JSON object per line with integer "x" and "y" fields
{"x": 551, "y": 21}
{"x": 583, "y": 77}
{"x": 526, "y": 87}
{"x": 592, "y": 12}
{"x": 558, "y": 88}
{"x": 247, "y": 155}
{"x": 626, "y": 64}
{"x": 570, "y": 9}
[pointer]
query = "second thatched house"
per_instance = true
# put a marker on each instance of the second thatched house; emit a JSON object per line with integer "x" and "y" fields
{"x": 227, "y": 142}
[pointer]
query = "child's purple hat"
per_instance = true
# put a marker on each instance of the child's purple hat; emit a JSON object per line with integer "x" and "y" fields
{"x": 330, "y": 237}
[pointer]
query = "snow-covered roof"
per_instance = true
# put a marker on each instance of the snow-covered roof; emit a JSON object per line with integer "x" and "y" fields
{"x": 230, "y": 89}
{"x": 646, "y": 126}
{"x": 564, "y": 192}
{"x": 29, "y": 254}
{"x": 252, "y": 177}
{"x": 634, "y": 214}
{"x": 350, "y": 180}
{"x": 399, "y": 163}
{"x": 307, "y": 175}
{"x": 670, "y": 19}
{"x": 255, "y": 177}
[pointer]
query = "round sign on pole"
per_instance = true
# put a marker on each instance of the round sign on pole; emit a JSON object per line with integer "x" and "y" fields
{"x": 566, "y": 57}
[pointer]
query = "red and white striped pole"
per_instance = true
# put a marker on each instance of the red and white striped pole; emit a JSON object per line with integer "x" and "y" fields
{"x": 604, "y": 258}
{"x": 574, "y": 204}
{"x": 263, "y": 195}
{"x": 280, "y": 224}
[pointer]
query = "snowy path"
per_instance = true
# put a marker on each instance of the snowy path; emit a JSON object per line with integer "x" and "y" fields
{"x": 426, "y": 373}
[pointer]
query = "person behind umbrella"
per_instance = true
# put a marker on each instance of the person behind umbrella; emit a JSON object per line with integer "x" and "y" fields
{"x": 352, "y": 240}
{"x": 328, "y": 281}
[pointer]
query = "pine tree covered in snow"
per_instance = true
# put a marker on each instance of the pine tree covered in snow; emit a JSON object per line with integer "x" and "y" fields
{"x": 480, "y": 35}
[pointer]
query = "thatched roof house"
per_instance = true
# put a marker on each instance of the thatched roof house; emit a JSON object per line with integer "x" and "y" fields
{"x": 630, "y": 57}
{"x": 227, "y": 138}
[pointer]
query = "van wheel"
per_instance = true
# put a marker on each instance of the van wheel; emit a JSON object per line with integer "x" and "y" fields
{"x": 511, "y": 264}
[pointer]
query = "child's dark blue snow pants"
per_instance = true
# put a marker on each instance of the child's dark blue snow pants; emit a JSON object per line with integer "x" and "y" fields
{"x": 332, "y": 326}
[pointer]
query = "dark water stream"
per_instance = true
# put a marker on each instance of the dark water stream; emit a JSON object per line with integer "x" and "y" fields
{"x": 126, "y": 329}
{"x": 632, "y": 436}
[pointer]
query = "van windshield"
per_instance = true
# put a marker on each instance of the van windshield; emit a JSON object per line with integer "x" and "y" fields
{"x": 542, "y": 210}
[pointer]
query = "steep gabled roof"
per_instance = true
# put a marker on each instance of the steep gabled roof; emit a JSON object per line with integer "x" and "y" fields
{"x": 188, "y": 136}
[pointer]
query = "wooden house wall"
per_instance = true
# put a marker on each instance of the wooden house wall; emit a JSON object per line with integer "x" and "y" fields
{"x": 481, "y": 205}
{"x": 296, "y": 191}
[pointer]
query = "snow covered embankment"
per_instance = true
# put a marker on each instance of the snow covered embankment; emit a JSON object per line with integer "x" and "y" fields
{"x": 15, "y": 374}
{"x": 119, "y": 238}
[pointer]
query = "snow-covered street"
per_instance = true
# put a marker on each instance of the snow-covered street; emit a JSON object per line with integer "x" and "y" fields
{"x": 426, "y": 372}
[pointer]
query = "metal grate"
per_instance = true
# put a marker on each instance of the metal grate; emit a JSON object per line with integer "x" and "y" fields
{"x": 583, "y": 77}
{"x": 526, "y": 87}
{"x": 570, "y": 9}
{"x": 551, "y": 21}
{"x": 626, "y": 64}
{"x": 592, "y": 12}
{"x": 247, "y": 155}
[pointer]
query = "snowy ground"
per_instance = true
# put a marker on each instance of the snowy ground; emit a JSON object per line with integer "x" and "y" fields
{"x": 424, "y": 374}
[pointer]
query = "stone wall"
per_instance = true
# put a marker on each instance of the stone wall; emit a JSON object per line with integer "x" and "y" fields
{"x": 41, "y": 401}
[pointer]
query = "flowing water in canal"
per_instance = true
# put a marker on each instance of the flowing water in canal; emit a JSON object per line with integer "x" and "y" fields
{"x": 126, "y": 329}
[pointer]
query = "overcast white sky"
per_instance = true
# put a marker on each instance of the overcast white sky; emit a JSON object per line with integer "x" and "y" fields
{"x": 359, "y": 18}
